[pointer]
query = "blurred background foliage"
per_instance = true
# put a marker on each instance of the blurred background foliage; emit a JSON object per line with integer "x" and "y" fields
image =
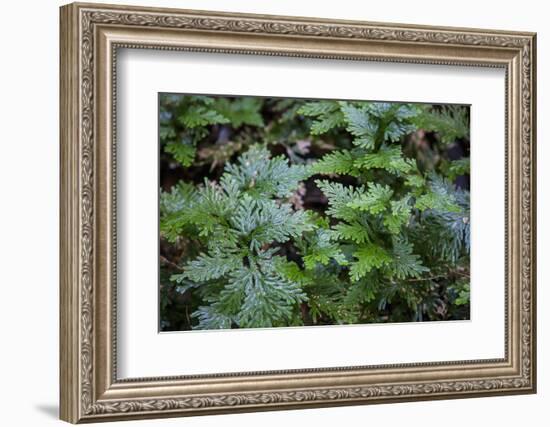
{"x": 289, "y": 212}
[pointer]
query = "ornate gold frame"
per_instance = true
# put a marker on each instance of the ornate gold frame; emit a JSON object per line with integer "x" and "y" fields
{"x": 90, "y": 36}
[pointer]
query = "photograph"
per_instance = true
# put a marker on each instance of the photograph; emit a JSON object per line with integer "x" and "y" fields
{"x": 281, "y": 212}
{"x": 261, "y": 211}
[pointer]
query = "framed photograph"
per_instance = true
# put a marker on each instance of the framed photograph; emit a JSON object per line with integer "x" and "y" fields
{"x": 266, "y": 212}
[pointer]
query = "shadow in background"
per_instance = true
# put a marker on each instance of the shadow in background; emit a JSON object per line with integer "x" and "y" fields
{"x": 49, "y": 409}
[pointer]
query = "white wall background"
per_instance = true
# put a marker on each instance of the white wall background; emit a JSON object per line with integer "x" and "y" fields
{"x": 29, "y": 171}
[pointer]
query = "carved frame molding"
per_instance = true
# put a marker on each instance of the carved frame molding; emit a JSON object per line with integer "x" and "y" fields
{"x": 90, "y": 37}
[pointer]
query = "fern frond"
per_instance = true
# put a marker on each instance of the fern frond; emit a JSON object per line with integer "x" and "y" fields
{"x": 182, "y": 152}
{"x": 322, "y": 249}
{"x": 318, "y": 108}
{"x": 458, "y": 168}
{"x": 375, "y": 200}
{"x": 293, "y": 273}
{"x": 260, "y": 176}
{"x": 268, "y": 297}
{"x": 405, "y": 264}
{"x": 450, "y": 122}
{"x": 264, "y": 221}
{"x": 399, "y": 215}
{"x": 210, "y": 266}
{"x": 368, "y": 257}
{"x": 339, "y": 162}
{"x": 245, "y": 110}
{"x": 199, "y": 115}
{"x": 389, "y": 158}
{"x": 440, "y": 196}
{"x": 323, "y": 255}
{"x": 339, "y": 196}
{"x": 355, "y": 232}
{"x": 360, "y": 125}
{"x": 210, "y": 318}
{"x": 179, "y": 196}
{"x": 326, "y": 113}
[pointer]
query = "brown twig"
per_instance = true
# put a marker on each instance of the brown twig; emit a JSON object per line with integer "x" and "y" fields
{"x": 170, "y": 263}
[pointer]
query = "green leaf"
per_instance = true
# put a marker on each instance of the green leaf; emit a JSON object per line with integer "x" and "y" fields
{"x": 210, "y": 266}
{"x": 318, "y": 108}
{"x": 327, "y": 114}
{"x": 399, "y": 216}
{"x": 458, "y": 168}
{"x": 450, "y": 122}
{"x": 360, "y": 124}
{"x": 323, "y": 255}
{"x": 268, "y": 297}
{"x": 396, "y": 130}
{"x": 375, "y": 201}
{"x": 405, "y": 111}
{"x": 180, "y": 195}
{"x": 339, "y": 162}
{"x": 210, "y": 318}
{"x": 463, "y": 293}
{"x": 200, "y": 115}
{"x": 415, "y": 181}
{"x": 210, "y": 211}
{"x": 368, "y": 257}
{"x": 264, "y": 222}
{"x": 239, "y": 111}
{"x": 355, "y": 232}
{"x": 381, "y": 110}
{"x": 184, "y": 207}
{"x": 182, "y": 152}
{"x": 321, "y": 249}
{"x": 404, "y": 263}
{"x": 379, "y": 120}
{"x": 388, "y": 158}
{"x": 339, "y": 196}
{"x": 292, "y": 272}
{"x": 358, "y": 121}
{"x": 166, "y": 132}
{"x": 366, "y": 142}
{"x": 326, "y": 123}
{"x": 260, "y": 176}
{"x": 437, "y": 201}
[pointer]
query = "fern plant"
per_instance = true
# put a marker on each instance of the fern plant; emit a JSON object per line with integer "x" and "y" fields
{"x": 397, "y": 225}
{"x": 187, "y": 121}
{"x": 347, "y": 212}
{"x": 240, "y": 223}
